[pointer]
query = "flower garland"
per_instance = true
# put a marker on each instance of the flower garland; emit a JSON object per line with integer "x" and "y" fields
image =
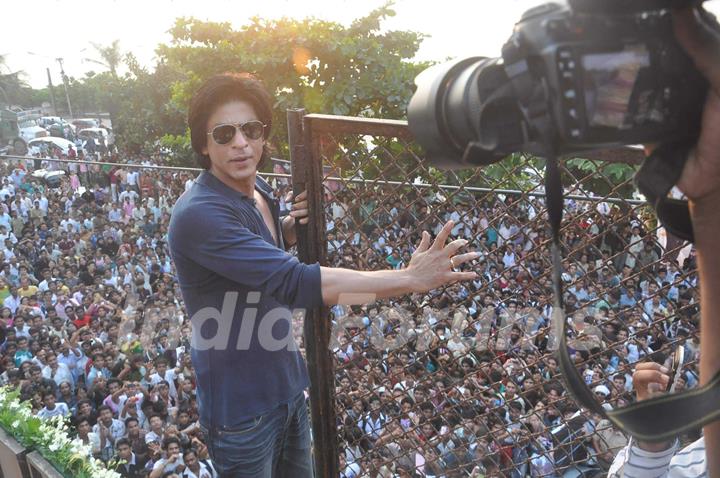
{"x": 51, "y": 438}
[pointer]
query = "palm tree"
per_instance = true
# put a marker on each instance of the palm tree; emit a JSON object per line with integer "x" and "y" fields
{"x": 109, "y": 56}
{"x": 10, "y": 81}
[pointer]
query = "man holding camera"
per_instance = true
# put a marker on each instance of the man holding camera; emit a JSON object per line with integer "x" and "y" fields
{"x": 229, "y": 245}
{"x": 700, "y": 181}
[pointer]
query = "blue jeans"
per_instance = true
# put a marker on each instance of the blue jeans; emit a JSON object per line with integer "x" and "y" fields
{"x": 273, "y": 445}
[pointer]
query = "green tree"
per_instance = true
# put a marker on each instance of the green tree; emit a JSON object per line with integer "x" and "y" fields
{"x": 145, "y": 112}
{"x": 320, "y": 65}
{"x": 11, "y": 83}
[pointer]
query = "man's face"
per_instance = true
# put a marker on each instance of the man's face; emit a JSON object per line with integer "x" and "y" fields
{"x": 84, "y": 428}
{"x": 183, "y": 419}
{"x": 124, "y": 452}
{"x": 106, "y": 417}
{"x": 173, "y": 449}
{"x": 156, "y": 423}
{"x": 235, "y": 162}
{"x": 161, "y": 369}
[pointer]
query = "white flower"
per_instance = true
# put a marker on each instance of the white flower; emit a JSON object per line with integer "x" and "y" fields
{"x": 54, "y": 435}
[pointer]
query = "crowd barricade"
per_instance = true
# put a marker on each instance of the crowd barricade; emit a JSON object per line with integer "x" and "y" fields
{"x": 462, "y": 381}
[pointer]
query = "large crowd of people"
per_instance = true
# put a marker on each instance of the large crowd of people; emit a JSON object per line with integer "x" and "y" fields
{"x": 463, "y": 382}
{"x": 460, "y": 382}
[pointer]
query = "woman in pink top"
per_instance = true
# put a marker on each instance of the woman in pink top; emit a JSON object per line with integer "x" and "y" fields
{"x": 74, "y": 181}
{"x": 128, "y": 208}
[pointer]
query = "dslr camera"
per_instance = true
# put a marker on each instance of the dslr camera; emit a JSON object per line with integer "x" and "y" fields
{"x": 574, "y": 76}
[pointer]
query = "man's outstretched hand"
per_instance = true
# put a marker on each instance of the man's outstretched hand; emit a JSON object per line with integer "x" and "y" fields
{"x": 432, "y": 265}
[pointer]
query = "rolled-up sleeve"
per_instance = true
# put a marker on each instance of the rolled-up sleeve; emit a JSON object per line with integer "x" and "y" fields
{"x": 634, "y": 462}
{"x": 215, "y": 239}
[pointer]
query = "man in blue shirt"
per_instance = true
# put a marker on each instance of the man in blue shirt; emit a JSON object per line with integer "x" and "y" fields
{"x": 240, "y": 285}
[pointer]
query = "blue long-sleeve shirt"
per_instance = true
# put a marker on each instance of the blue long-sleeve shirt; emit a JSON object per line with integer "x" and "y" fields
{"x": 221, "y": 246}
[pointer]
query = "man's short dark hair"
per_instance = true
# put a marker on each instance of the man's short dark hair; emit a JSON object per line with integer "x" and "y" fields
{"x": 218, "y": 90}
{"x": 129, "y": 420}
{"x": 170, "y": 440}
{"x": 122, "y": 441}
{"x": 516, "y": 405}
{"x": 80, "y": 421}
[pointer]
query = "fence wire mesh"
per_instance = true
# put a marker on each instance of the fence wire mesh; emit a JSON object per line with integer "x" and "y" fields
{"x": 462, "y": 381}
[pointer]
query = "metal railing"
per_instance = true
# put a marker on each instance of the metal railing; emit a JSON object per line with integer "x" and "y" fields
{"x": 462, "y": 381}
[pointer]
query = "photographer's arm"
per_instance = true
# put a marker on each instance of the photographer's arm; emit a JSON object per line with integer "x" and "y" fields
{"x": 429, "y": 268}
{"x": 700, "y": 182}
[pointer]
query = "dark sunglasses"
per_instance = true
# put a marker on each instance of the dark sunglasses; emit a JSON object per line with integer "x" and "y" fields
{"x": 224, "y": 133}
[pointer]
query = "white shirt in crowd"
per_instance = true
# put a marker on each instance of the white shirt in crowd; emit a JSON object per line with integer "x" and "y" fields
{"x": 132, "y": 178}
{"x": 62, "y": 374}
{"x": 60, "y": 409}
{"x": 128, "y": 194}
{"x": 633, "y": 461}
{"x": 169, "y": 378}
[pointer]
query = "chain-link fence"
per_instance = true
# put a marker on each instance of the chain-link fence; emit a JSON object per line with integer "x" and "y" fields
{"x": 462, "y": 381}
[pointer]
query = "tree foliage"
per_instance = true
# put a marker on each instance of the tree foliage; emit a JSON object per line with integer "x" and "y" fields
{"x": 109, "y": 56}
{"x": 12, "y": 83}
{"x": 320, "y": 65}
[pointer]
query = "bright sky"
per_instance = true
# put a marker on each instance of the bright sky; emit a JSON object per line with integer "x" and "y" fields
{"x": 65, "y": 28}
{"x": 55, "y": 28}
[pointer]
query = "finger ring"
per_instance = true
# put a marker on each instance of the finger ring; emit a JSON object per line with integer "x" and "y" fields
{"x": 452, "y": 264}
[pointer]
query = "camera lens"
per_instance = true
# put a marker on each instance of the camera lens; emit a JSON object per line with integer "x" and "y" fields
{"x": 463, "y": 103}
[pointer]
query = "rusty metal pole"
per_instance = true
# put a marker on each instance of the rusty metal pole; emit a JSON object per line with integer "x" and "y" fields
{"x": 307, "y": 174}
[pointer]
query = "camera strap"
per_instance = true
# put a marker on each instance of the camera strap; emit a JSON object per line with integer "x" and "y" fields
{"x": 657, "y": 419}
{"x": 656, "y": 177}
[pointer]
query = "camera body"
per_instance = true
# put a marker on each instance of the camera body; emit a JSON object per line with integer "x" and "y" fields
{"x": 584, "y": 75}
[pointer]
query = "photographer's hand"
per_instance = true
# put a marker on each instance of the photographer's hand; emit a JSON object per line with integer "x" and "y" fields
{"x": 700, "y": 181}
{"x": 649, "y": 379}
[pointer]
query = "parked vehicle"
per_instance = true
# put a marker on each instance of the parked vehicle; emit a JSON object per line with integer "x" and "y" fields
{"x": 51, "y": 179}
{"x": 95, "y": 133}
{"x": 29, "y": 129}
{"x": 36, "y": 145}
{"x": 46, "y": 121}
{"x": 84, "y": 123}
{"x": 10, "y": 139}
